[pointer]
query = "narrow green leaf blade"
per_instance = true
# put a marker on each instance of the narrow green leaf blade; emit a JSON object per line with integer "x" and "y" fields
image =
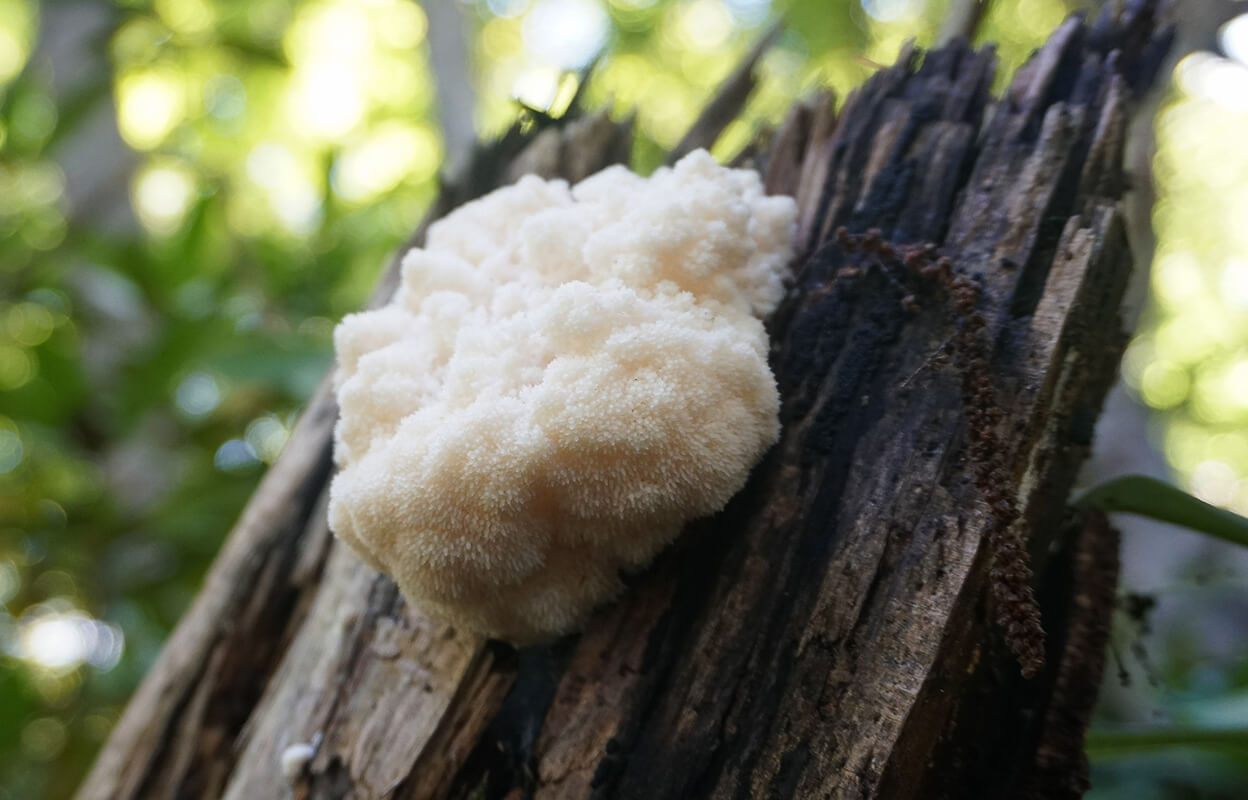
{"x": 1149, "y": 497}
{"x": 1115, "y": 743}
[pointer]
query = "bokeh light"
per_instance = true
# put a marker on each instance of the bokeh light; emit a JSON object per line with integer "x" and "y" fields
{"x": 150, "y": 103}
{"x": 890, "y": 10}
{"x": 187, "y": 17}
{"x": 565, "y": 34}
{"x": 1233, "y": 38}
{"x": 17, "y": 22}
{"x": 10, "y": 452}
{"x": 234, "y": 455}
{"x": 198, "y": 395}
{"x": 265, "y": 436}
{"x": 290, "y": 184}
{"x": 162, "y": 194}
{"x": 17, "y": 366}
{"x": 10, "y": 578}
{"x": 1190, "y": 358}
{"x": 43, "y": 738}
{"x": 56, "y": 637}
{"x": 379, "y": 161}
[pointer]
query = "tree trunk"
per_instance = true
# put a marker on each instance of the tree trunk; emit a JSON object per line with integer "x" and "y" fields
{"x": 832, "y": 633}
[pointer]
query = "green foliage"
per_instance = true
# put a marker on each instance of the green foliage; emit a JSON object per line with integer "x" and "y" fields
{"x": 1103, "y": 744}
{"x": 1149, "y": 497}
{"x": 1204, "y": 743}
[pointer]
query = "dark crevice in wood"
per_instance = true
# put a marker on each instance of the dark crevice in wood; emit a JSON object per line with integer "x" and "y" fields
{"x": 504, "y": 752}
{"x": 1060, "y": 770}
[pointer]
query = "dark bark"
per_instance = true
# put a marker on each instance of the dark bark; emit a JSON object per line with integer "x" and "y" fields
{"x": 833, "y": 632}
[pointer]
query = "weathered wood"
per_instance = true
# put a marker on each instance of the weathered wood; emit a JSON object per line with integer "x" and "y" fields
{"x": 831, "y": 633}
{"x": 180, "y": 733}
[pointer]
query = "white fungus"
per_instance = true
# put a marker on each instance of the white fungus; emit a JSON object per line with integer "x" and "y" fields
{"x": 565, "y": 377}
{"x": 294, "y": 759}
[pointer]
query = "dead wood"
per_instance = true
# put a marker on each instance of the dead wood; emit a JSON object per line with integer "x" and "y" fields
{"x": 833, "y": 632}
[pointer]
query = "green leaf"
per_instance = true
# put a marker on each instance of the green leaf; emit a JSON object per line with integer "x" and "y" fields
{"x": 1149, "y": 497}
{"x": 1115, "y": 743}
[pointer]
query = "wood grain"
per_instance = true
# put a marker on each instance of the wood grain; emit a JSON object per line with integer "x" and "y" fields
{"x": 830, "y": 633}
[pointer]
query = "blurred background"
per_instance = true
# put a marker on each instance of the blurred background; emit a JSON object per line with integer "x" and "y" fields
{"x": 192, "y": 192}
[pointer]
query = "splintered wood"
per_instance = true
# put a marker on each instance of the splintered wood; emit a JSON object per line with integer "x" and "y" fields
{"x": 832, "y": 633}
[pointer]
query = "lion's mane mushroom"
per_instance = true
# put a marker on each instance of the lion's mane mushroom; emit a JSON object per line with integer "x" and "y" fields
{"x": 565, "y": 377}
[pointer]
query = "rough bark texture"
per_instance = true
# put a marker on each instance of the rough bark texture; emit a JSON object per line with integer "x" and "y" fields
{"x": 831, "y": 633}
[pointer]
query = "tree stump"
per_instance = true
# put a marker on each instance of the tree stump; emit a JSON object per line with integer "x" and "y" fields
{"x": 832, "y": 633}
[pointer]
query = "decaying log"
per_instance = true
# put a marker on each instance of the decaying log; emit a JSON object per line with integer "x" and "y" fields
{"x": 832, "y": 632}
